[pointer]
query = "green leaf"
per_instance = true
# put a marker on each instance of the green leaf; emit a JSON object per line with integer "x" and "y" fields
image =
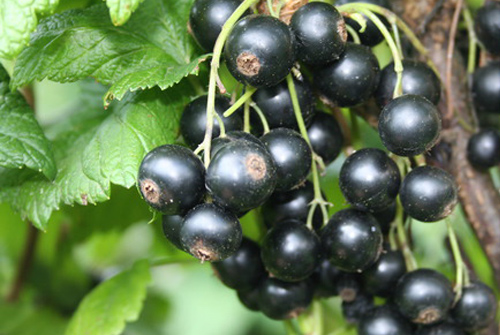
{"x": 22, "y": 141}
{"x": 152, "y": 48}
{"x": 120, "y": 10}
{"x": 100, "y": 150}
{"x": 17, "y": 20}
{"x": 107, "y": 308}
{"x": 22, "y": 319}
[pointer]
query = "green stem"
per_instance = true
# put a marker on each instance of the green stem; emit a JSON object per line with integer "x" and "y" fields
{"x": 462, "y": 277}
{"x": 353, "y": 33}
{"x": 356, "y": 141}
{"x": 246, "y": 117}
{"x": 243, "y": 99}
{"x": 214, "y": 67}
{"x": 262, "y": 117}
{"x": 222, "y": 127}
{"x": 411, "y": 263}
{"x": 392, "y": 236}
{"x": 181, "y": 258}
{"x": 469, "y": 22}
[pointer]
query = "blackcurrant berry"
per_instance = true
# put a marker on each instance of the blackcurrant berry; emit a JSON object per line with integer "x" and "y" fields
{"x": 194, "y": 120}
{"x": 381, "y": 278}
{"x": 383, "y": 320}
{"x": 385, "y": 217}
{"x": 324, "y": 278}
{"x": 483, "y": 149}
{"x": 354, "y": 310}
{"x": 320, "y": 32}
{"x": 352, "y": 240}
{"x": 369, "y": 179}
{"x": 171, "y": 179}
{"x": 282, "y": 300}
{"x": 409, "y": 125}
{"x": 428, "y": 194}
{"x": 418, "y": 79}
{"x": 172, "y": 225}
{"x": 476, "y": 308}
{"x": 243, "y": 270}
{"x": 424, "y": 296}
{"x": 292, "y": 204}
{"x": 445, "y": 328}
{"x": 210, "y": 233}
{"x": 486, "y": 88}
{"x": 291, "y": 251}
{"x": 487, "y": 26}
{"x": 207, "y": 18}
{"x": 250, "y": 299}
{"x": 276, "y": 103}
{"x": 231, "y": 136}
{"x": 292, "y": 157}
{"x": 351, "y": 79}
{"x": 260, "y": 50}
{"x": 348, "y": 286}
{"x": 325, "y": 136}
{"x": 241, "y": 176}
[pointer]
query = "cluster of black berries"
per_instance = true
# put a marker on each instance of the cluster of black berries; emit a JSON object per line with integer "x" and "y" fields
{"x": 295, "y": 261}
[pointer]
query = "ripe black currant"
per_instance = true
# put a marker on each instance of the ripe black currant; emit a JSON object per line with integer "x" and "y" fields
{"x": 282, "y": 300}
{"x": 243, "y": 270}
{"x": 210, "y": 233}
{"x": 424, "y": 296}
{"x": 320, "y": 32}
{"x": 171, "y": 179}
{"x": 445, "y": 328}
{"x": 428, "y": 194}
{"x": 351, "y": 79}
{"x": 352, "y": 240}
{"x": 383, "y": 320}
{"x": 250, "y": 299}
{"x": 381, "y": 278}
{"x": 194, "y": 120}
{"x": 409, "y": 125}
{"x": 276, "y": 103}
{"x": 231, "y": 136}
{"x": 324, "y": 278}
{"x": 385, "y": 217}
{"x": 292, "y": 157}
{"x": 487, "y": 26}
{"x": 369, "y": 179}
{"x": 241, "y": 176}
{"x": 265, "y": 63}
{"x": 354, "y": 310}
{"x": 172, "y": 225}
{"x": 348, "y": 285}
{"x": 207, "y": 18}
{"x": 418, "y": 79}
{"x": 483, "y": 149}
{"x": 325, "y": 136}
{"x": 486, "y": 88}
{"x": 476, "y": 308}
{"x": 290, "y": 251}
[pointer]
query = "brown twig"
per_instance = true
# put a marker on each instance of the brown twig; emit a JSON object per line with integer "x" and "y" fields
{"x": 449, "y": 57}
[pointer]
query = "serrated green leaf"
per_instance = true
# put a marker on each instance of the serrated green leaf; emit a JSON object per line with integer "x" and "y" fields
{"x": 107, "y": 308}
{"x": 120, "y": 10}
{"x": 152, "y": 48}
{"x": 22, "y": 141}
{"x": 17, "y": 20}
{"x": 99, "y": 151}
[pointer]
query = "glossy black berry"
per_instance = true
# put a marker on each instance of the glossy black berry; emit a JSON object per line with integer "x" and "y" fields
{"x": 351, "y": 79}
{"x": 476, "y": 308}
{"x": 385, "y": 217}
{"x": 424, "y": 296}
{"x": 483, "y": 149}
{"x": 194, "y": 120}
{"x": 381, "y": 278}
{"x": 354, "y": 310}
{"x": 290, "y": 252}
{"x": 418, "y": 79}
{"x": 210, "y": 233}
{"x": 486, "y": 88}
{"x": 409, "y": 125}
{"x": 265, "y": 63}
{"x": 428, "y": 194}
{"x": 243, "y": 270}
{"x": 292, "y": 157}
{"x": 172, "y": 225}
{"x": 292, "y": 204}
{"x": 445, "y": 328}
{"x": 207, "y": 18}
{"x": 324, "y": 278}
{"x": 282, "y": 300}
{"x": 487, "y": 26}
{"x": 241, "y": 176}
{"x": 171, "y": 179}
{"x": 348, "y": 286}
{"x": 352, "y": 240}
{"x": 383, "y": 320}
{"x": 320, "y": 32}
{"x": 219, "y": 142}
{"x": 369, "y": 179}
{"x": 250, "y": 299}
{"x": 325, "y": 136}
{"x": 276, "y": 104}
